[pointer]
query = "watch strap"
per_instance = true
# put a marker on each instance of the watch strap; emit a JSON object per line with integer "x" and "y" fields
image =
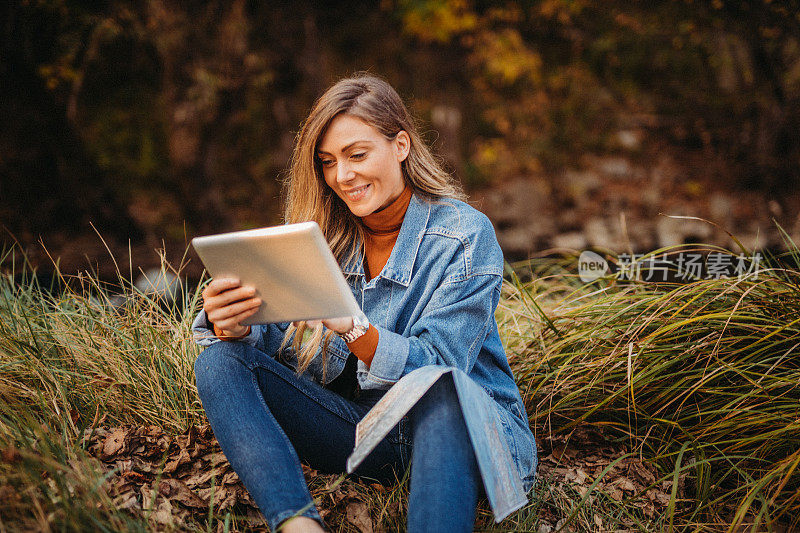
{"x": 360, "y": 327}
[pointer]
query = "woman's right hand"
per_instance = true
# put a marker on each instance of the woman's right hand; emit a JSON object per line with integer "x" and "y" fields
{"x": 227, "y": 302}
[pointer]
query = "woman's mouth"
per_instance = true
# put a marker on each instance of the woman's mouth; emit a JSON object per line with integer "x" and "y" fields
{"x": 358, "y": 193}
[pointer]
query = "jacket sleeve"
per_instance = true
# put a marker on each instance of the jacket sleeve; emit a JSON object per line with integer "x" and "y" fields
{"x": 450, "y": 331}
{"x": 264, "y": 337}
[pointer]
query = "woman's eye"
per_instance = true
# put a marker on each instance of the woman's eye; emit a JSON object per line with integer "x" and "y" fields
{"x": 362, "y": 155}
{"x": 326, "y": 162}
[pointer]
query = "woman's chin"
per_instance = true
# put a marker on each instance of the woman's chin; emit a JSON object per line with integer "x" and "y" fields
{"x": 361, "y": 210}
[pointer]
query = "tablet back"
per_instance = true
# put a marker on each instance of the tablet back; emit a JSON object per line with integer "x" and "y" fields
{"x": 290, "y": 266}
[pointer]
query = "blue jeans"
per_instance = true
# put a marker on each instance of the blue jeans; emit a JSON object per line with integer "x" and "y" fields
{"x": 267, "y": 420}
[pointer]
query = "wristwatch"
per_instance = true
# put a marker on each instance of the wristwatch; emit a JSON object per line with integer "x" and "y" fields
{"x": 360, "y": 326}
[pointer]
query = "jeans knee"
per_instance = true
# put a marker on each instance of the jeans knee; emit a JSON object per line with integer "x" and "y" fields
{"x": 213, "y": 364}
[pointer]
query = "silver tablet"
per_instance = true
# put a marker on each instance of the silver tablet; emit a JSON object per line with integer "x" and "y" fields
{"x": 290, "y": 266}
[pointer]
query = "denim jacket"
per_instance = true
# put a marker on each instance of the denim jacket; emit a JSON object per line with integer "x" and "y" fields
{"x": 434, "y": 304}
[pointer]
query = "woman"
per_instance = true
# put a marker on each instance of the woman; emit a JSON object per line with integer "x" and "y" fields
{"x": 427, "y": 270}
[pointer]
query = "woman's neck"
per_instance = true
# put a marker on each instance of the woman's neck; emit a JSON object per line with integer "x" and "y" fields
{"x": 390, "y": 218}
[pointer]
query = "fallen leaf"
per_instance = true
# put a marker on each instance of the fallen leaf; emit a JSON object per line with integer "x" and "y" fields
{"x": 558, "y": 452}
{"x": 113, "y": 444}
{"x": 147, "y": 496}
{"x": 255, "y": 518}
{"x": 615, "y": 493}
{"x": 182, "y": 459}
{"x": 625, "y": 484}
{"x": 177, "y": 490}
{"x": 10, "y": 455}
{"x": 204, "y": 477}
{"x": 163, "y": 513}
{"x": 644, "y": 473}
{"x": 127, "y": 501}
{"x": 358, "y": 515}
{"x": 133, "y": 477}
{"x": 576, "y": 475}
{"x": 230, "y": 478}
{"x": 217, "y": 458}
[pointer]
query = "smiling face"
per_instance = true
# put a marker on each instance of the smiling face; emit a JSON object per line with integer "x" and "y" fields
{"x": 361, "y": 165}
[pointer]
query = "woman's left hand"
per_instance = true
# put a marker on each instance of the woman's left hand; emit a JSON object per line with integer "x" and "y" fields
{"x": 339, "y": 325}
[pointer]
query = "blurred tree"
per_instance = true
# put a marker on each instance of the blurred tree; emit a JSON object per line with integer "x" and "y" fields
{"x": 554, "y": 78}
{"x": 142, "y": 115}
{"x": 752, "y": 107}
{"x": 49, "y": 179}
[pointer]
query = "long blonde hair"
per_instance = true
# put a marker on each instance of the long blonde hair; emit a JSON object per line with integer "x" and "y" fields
{"x": 308, "y": 197}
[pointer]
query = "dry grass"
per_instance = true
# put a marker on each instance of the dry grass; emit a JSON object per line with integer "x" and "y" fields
{"x": 695, "y": 385}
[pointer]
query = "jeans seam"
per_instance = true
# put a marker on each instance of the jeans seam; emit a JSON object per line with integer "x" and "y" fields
{"x": 298, "y": 466}
{"x": 403, "y": 432}
{"x": 252, "y": 365}
{"x": 301, "y": 388}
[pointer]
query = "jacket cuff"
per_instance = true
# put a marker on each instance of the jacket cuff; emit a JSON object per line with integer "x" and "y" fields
{"x": 203, "y": 332}
{"x": 389, "y": 360}
{"x": 364, "y": 347}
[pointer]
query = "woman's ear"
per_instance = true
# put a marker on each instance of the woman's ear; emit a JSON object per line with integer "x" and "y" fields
{"x": 402, "y": 145}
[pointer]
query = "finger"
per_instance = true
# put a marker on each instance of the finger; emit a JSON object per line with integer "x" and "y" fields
{"x": 313, "y": 323}
{"x": 230, "y": 296}
{"x": 236, "y": 321}
{"x": 221, "y": 285}
{"x": 225, "y": 313}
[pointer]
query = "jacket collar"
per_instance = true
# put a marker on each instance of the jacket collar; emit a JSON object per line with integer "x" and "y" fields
{"x": 404, "y": 254}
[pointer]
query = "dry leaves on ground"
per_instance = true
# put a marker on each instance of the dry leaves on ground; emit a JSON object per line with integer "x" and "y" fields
{"x": 175, "y": 479}
{"x": 170, "y": 478}
{"x": 579, "y": 458}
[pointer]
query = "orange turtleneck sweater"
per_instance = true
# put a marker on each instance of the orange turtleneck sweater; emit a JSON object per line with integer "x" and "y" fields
{"x": 382, "y": 228}
{"x": 381, "y": 231}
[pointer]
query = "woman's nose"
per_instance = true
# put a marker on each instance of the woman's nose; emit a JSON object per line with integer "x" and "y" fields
{"x": 344, "y": 173}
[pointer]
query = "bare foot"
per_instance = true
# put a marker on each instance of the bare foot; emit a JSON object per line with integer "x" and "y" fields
{"x": 300, "y": 524}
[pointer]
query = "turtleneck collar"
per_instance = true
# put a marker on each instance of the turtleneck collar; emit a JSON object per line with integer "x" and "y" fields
{"x": 390, "y": 218}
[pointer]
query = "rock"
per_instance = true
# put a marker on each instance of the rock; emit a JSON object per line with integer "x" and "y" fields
{"x": 599, "y": 234}
{"x": 674, "y": 231}
{"x": 574, "y": 240}
{"x": 720, "y": 209}
{"x": 650, "y": 196}
{"x": 516, "y": 242}
{"x": 159, "y": 282}
{"x": 615, "y": 167}
{"x": 522, "y": 213}
{"x": 581, "y": 186}
{"x": 517, "y": 201}
{"x": 117, "y": 301}
{"x": 629, "y": 139}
